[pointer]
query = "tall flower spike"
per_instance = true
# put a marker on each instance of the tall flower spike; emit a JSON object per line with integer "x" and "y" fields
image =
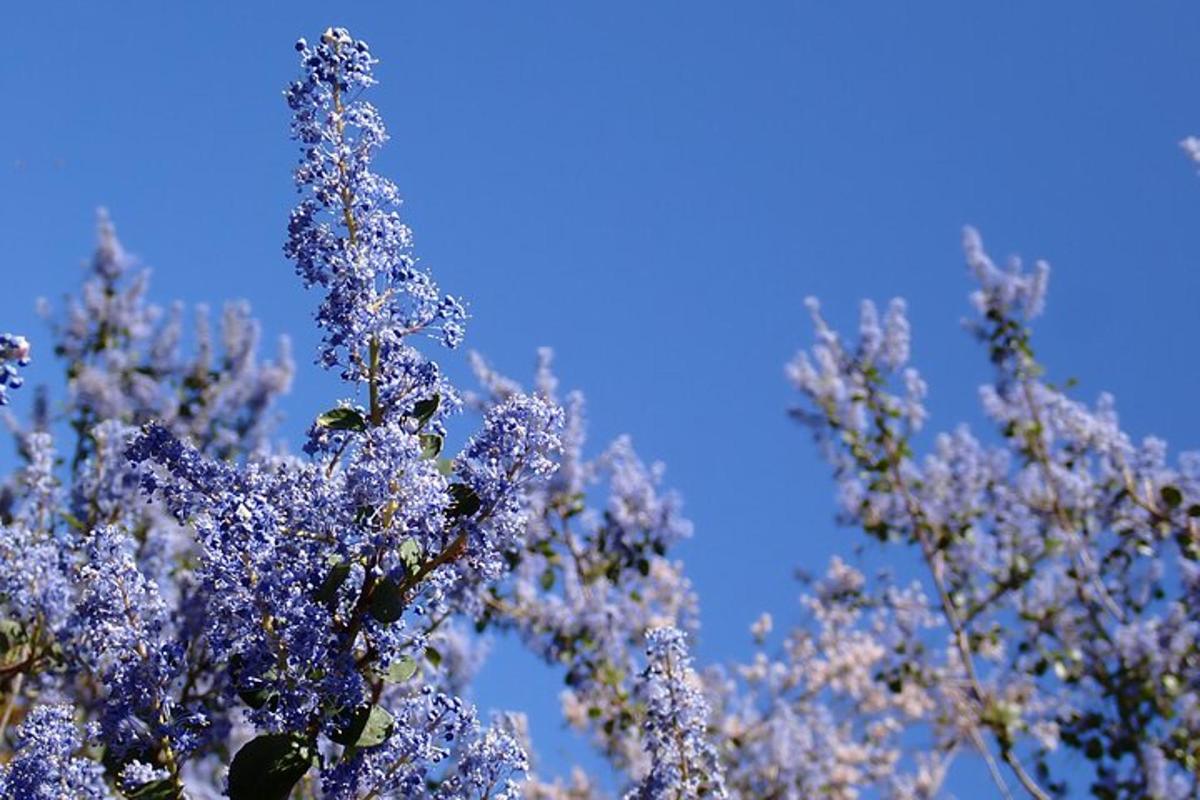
{"x": 346, "y": 234}
{"x": 684, "y": 764}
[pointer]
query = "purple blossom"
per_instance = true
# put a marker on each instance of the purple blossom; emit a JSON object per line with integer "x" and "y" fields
{"x": 1057, "y": 555}
{"x": 127, "y": 645}
{"x": 14, "y": 352}
{"x": 346, "y": 235}
{"x": 45, "y": 764}
{"x": 683, "y": 762}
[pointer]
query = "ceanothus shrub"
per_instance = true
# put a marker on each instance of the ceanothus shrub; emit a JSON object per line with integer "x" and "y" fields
{"x": 188, "y": 610}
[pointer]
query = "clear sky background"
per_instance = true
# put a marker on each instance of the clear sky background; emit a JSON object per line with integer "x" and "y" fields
{"x": 652, "y": 188}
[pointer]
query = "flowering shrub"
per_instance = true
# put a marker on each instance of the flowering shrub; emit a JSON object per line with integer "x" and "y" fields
{"x": 189, "y": 610}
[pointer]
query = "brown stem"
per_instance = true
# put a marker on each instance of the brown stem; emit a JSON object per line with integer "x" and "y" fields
{"x": 11, "y": 704}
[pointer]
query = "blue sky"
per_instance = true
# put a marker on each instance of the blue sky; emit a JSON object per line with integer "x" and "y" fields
{"x": 652, "y": 188}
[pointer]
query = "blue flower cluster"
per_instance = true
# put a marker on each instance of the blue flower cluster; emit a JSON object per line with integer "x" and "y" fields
{"x": 35, "y": 578}
{"x": 211, "y": 595}
{"x": 125, "y": 361}
{"x": 684, "y": 763}
{"x": 346, "y": 234}
{"x": 14, "y": 352}
{"x": 125, "y": 640}
{"x": 323, "y": 581}
{"x": 46, "y": 765}
{"x": 592, "y": 580}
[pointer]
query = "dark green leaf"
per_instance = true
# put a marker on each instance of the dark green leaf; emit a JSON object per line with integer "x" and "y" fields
{"x": 423, "y": 410}
{"x": 333, "y": 581}
{"x": 342, "y": 419}
{"x": 387, "y": 602}
{"x": 155, "y": 790}
{"x": 1171, "y": 496}
{"x": 253, "y": 692}
{"x": 433, "y": 656}
{"x": 365, "y": 727}
{"x": 464, "y": 501}
{"x": 267, "y": 767}
{"x": 256, "y": 698}
{"x": 431, "y": 445}
{"x": 363, "y": 515}
{"x": 547, "y": 579}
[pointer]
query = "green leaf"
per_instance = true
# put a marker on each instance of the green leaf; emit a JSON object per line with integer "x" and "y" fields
{"x": 73, "y": 521}
{"x": 1171, "y": 496}
{"x": 253, "y": 697}
{"x": 155, "y": 790}
{"x": 387, "y": 602}
{"x": 268, "y": 766}
{"x": 401, "y": 670}
{"x": 575, "y": 504}
{"x": 379, "y": 727}
{"x": 11, "y": 635}
{"x": 547, "y": 579}
{"x": 433, "y": 656}
{"x": 333, "y": 581}
{"x": 365, "y": 727}
{"x": 431, "y": 445}
{"x": 256, "y": 698}
{"x": 342, "y": 419}
{"x": 411, "y": 554}
{"x": 1194, "y": 510}
{"x": 445, "y": 467}
{"x": 464, "y": 501}
{"x": 423, "y": 410}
